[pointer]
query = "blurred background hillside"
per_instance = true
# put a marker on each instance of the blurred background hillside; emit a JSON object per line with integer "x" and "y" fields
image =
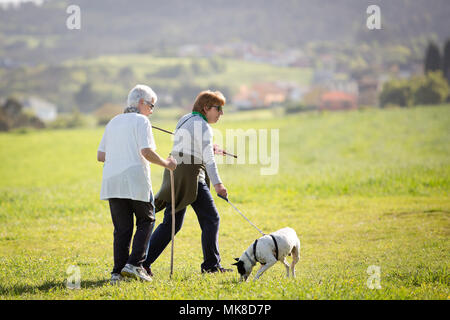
{"x": 293, "y": 55}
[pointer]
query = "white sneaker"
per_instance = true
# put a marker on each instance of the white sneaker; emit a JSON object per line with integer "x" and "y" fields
{"x": 115, "y": 278}
{"x": 137, "y": 273}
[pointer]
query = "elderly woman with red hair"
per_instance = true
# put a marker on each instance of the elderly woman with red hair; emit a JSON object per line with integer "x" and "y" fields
{"x": 194, "y": 151}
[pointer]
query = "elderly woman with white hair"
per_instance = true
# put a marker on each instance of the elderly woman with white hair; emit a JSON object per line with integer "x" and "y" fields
{"x": 126, "y": 148}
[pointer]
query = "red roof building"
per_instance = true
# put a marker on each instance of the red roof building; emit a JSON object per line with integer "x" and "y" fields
{"x": 337, "y": 100}
{"x": 259, "y": 95}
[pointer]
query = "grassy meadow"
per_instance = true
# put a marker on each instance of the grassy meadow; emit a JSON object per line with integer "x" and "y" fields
{"x": 361, "y": 188}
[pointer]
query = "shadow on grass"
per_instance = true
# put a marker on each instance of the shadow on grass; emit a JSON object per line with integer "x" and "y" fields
{"x": 424, "y": 212}
{"x": 47, "y": 287}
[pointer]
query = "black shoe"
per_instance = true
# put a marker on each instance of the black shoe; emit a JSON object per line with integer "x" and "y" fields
{"x": 149, "y": 271}
{"x": 216, "y": 269}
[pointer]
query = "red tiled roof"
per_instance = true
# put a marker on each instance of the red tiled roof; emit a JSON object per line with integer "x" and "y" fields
{"x": 337, "y": 95}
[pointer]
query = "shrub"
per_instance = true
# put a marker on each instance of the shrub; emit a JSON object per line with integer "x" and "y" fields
{"x": 296, "y": 107}
{"x": 431, "y": 89}
{"x": 72, "y": 120}
{"x": 12, "y": 115}
{"x": 398, "y": 92}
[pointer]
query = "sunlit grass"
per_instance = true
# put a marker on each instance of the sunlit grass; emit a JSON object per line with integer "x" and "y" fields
{"x": 360, "y": 188}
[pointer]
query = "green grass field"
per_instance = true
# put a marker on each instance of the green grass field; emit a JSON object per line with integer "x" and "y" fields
{"x": 361, "y": 188}
{"x": 144, "y": 65}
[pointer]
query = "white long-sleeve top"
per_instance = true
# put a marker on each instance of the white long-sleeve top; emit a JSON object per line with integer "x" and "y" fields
{"x": 194, "y": 137}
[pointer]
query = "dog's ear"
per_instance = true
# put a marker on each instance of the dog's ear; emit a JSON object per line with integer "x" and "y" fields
{"x": 237, "y": 259}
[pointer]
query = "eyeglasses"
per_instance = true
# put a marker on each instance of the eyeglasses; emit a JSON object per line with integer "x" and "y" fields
{"x": 151, "y": 105}
{"x": 219, "y": 108}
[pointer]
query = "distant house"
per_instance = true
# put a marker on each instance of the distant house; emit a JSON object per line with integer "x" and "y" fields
{"x": 348, "y": 86}
{"x": 368, "y": 91}
{"x": 322, "y": 77}
{"x": 334, "y": 82}
{"x": 44, "y": 110}
{"x": 260, "y": 95}
{"x": 337, "y": 100}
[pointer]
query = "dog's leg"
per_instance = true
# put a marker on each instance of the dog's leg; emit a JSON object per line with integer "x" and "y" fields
{"x": 263, "y": 268}
{"x": 295, "y": 257}
{"x": 286, "y": 264}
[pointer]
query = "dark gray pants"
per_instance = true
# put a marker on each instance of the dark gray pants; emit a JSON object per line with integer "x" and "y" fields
{"x": 122, "y": 217}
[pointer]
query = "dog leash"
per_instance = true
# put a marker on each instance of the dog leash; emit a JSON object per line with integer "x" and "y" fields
{"x": 256, "y": 241}
{"x": 226, "y": 199}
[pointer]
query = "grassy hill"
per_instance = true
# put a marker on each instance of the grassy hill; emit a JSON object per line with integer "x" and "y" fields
{"x": 361, "y": 188}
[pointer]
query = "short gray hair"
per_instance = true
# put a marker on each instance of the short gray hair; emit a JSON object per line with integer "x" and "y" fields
{"x": 139, "y": 92}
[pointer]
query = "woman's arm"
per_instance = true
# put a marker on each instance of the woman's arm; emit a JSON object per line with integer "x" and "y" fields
{"x": 170, "y": 163}
{"x": 211, "y": 166}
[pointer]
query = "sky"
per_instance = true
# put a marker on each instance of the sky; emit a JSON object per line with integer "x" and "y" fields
{"x": 5, "y": 4}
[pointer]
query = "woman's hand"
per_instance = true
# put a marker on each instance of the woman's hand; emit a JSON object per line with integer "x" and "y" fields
{"x": 221, "y": 190}
{"x": 171, "y": 163}
{"x": 217, "y": 150}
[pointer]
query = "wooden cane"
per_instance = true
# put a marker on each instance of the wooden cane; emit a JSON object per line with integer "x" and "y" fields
{"x": 172, "y": 191}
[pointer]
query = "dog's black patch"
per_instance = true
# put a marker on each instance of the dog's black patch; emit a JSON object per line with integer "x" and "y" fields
{"x": 240, "y": 267}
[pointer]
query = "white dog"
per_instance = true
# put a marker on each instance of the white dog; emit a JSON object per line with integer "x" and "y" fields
{"x": 269, "y": 249}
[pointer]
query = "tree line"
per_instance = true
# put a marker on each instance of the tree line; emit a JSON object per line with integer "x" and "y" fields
{"x": 430, "y": 88}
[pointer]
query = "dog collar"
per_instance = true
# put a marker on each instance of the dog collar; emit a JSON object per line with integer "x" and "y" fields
{"x": 251, "y": 260}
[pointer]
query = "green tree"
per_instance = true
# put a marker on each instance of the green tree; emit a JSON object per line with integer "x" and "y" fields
{"x": 397, "y": 55}
{"x": 197, "y": 67}
{"x": 217, "y": 64}
{"x": 431, "y": 89}
{"x": 127, "y": 76}
{"x": 85, "y": 97}
{"x": 432, "y": 58}
{"x": 446, "y": 61}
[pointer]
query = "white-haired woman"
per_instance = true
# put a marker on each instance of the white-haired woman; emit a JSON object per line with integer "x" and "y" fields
{"x": 126, "y": 148}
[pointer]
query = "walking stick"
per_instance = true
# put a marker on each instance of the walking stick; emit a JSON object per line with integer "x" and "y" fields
{"x": 172, "y": 191}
